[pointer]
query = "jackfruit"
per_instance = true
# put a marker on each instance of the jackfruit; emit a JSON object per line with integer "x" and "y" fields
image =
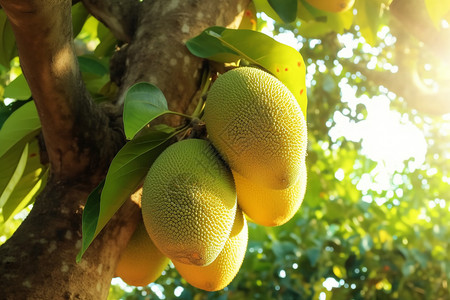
{"x": 141, "y": 262}
{"x": 189, "y": 202}
{"x": 224, "y": 268}
{"x": 270, "y": 207}
{"x": 257, "y": 126}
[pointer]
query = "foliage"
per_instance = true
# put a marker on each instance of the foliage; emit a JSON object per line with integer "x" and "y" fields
{"x": 366, "y": 239}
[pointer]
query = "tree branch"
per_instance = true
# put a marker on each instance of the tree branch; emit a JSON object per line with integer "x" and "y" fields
{"x": 81, "y": 139}
{"x": 70, "y": 121}
{"x": 412, "y": 14}
{"x": 118, "y": 15}
{"x": 38, "y": 261}
{"x": 406, "y": 83}
{"x": 171, "y": 23}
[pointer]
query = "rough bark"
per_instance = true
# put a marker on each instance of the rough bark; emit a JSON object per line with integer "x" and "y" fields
{"x": 38, "y": 262}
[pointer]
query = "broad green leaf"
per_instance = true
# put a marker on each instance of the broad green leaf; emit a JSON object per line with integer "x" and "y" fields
{"x": 7, "y": 110}
{"x": 249, "y": 19}
{"x": 265, "y": 7}
{"x": 25, "y": 195}
{"x": 368, "y": 19}
{"x": 79, "y": 17}
{"x": 23, "y": 124}
{"x": 437, "y": 9}
{"x": 95, "y": 73}
{"x": 228, "y": 45}
{"x": 89, "y": 30}
{"x": 93, "y": 65}
{"x": 125, "y": 174}
{"x": 29, "y": 184}
{"x": 89, "y": 219}
{"x": 95, "y": 85}
{"x": 8, "y": 49}
{"x": 206, "y": 46}
{"x": 143, "y": 103}
{"x": 18, "y": 89}
{"x": 313, "y": 255}
{"x": 107, "y": 41}
{"x": 14, "y": 179}
{"x": 285, "y": 9}
{"x": 9, "y": 162}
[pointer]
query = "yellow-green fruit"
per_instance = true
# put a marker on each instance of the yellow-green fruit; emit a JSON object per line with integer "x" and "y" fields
{"x": 270, "y": 207}
{"x": 189, "y": 202}
{"x": 257, "y": 125}
{"x": 140, "y": 262}
{"x": 221, "y": 271}
{"x": 332, "y": 5}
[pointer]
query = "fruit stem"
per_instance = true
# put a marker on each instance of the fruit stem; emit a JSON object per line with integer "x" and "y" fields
{"x": 181, "y": 114}
{"x": 201, "y": 102}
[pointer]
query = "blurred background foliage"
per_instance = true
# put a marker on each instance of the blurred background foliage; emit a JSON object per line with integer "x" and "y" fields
{"x": 375, "y": 219}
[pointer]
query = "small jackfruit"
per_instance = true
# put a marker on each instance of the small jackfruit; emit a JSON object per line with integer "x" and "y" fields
{"x": 141, "y": 262}
{"x": 224, "y": 268}
{"x": 270, "y": 207}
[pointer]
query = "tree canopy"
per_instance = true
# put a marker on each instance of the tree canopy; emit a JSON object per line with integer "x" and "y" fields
{"x": 374, "y": 221}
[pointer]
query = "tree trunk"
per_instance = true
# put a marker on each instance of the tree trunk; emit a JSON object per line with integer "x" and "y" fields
{"x": 81, "y": 138}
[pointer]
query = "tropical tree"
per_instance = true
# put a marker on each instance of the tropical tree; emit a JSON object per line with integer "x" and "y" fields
{"x": 370, "y": 226}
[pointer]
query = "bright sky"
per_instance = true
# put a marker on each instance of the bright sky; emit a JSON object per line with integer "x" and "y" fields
{"x": 387, "y": 137}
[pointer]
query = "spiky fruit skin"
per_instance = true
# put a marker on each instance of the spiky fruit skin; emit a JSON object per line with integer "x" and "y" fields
{"x": 257, "y": 126}
{"x": 189, "y": 202}
{"x": 224, "y": 268}
{"x": 270, "y": 207}
{"x": 141, "y": 263}
{"x": 335, "y": 6}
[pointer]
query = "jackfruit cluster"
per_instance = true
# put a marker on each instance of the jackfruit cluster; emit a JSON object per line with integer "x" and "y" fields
{"x": 198, "y": 192}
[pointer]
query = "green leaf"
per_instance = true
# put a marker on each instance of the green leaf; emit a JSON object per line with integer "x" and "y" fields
{"x": 107, "y": 41}
{"x": 313, "y": 255}
{"x": 282, "y": 249}
{"x": 286, "y": 9}
{"x": 18, "y": 89}
{"x": 368, "y": 20}
{"x": 7, "y": 110}
{"x": 22, "y": 125}
{"x": 8, "y": 49}
{"x": 14, "y": 179}
{"x": 437, "y": 9}
{"x": 89, "y": 219}
{"x": 32, "y": 181}
{"x": 125, "y": 175}
{"x": 79, "y": 17}
{"x": 229, "y": 45}
{"x": 265, "y": 7}
{"x": 17, "y": 202}
{"x": 9, "y": 162}
{"x": 143, "y": 103}
{"x": 93, "y": 65}
{"x": 207, "y": 46}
